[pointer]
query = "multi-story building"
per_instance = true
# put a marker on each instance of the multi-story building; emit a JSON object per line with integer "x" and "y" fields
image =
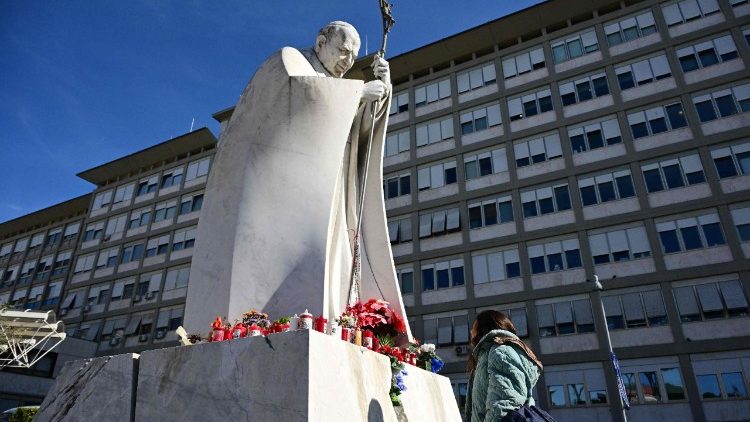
{"x": 524, "y": 157}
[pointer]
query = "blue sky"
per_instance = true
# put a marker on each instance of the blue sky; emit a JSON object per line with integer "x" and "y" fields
{"x": 85, "y": 82}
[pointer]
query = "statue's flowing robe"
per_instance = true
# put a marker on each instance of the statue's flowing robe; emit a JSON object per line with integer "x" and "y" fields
{"x": 280, "y": 210}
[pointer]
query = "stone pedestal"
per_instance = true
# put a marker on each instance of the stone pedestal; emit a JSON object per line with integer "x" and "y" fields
{"x": 296, "y": 376}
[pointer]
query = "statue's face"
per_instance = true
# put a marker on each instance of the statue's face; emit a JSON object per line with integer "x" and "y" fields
{"x": 338, "y": 54}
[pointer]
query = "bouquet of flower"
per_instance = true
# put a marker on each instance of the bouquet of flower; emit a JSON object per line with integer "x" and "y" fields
{"x": 260, "y": 319}
{"x": 397, "y": 356}
{"x": 347, "y": 320}
{"x": 428, "y": 359}
{"x": 280, "y": 325}
{"x": 377, "y": 316}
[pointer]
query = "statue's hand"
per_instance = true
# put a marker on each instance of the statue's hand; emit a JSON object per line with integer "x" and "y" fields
{"x": 374, "y": 91}
{"x": 381, "y": 69}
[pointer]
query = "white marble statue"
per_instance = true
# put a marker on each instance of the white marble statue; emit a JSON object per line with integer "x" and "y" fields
{"x": 277, "y": 227}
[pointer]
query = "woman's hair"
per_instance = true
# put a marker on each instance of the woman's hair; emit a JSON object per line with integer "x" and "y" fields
{"x": 487, "y": 321}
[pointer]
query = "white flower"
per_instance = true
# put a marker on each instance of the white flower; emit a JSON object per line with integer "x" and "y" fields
{"x": 427, "y": 348}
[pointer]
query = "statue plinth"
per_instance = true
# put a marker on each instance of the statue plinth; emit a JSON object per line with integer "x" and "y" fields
{"x": 294, "y": 376}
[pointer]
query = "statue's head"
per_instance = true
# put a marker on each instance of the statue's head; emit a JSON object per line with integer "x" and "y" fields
{"x": 337, "y": 47}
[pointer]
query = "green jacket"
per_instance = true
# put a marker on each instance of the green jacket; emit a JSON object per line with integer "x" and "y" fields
{"x": 503, "y": 377}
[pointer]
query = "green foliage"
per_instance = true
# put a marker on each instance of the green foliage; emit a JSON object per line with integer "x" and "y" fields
{"x": 24, "y": 414}
{"x": 284, "y": 320}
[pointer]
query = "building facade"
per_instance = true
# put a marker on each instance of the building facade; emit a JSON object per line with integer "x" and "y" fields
{"x": 524, "y": 157}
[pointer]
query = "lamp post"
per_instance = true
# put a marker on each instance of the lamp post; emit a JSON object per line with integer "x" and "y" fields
{"x": 623, "y": 398}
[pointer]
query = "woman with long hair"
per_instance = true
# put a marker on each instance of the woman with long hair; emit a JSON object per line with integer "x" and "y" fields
{"x": 502, "y": 369}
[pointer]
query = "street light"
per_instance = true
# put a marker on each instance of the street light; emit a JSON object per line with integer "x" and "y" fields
{"x": 597, "y": 288}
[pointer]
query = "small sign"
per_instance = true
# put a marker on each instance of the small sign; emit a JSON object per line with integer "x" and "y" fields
{"x": 620, "y": 383}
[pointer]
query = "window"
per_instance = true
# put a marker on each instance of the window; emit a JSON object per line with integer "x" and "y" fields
{"x": 574, "y": 46}
{"x": 140, "y": 218}
{"x": 432, "y": 92}
{"x": 85, "y": 263}
{"x": 530, "y": 104}
{"x": 399, "y": 103}
{"x": 113, "y": 328}
{"x": 396, "y": 143}
{"x": 165, "y": 210}
{"x": 489, "y": 212}
{"x": 405, "y": 280}
{"x": 36, "y": 241}
{"x": 124, "y": 193}
{"x": 732, "y": 161}
{"x": 98, "y": 295}
{"x": 690, "y": 233}
{"x": 132, "y": 253}
{"x": 177, "y": 278}
{"x": 485, "y": 163}
{"x": 107, "y": 258}
{"x": 630, "y": 28}
{"x": 6, "y": 249}
{"x": 707, "y": 53}
{"x": 656, "y": 120}
{"x": 115, "y": 225}
{"x": 10, "y": 275}
{"x": 447, "y": 330}
{"x": 153, "y": 280}
{"x": 584, "y": 89}
{"x": 523, "y": 63}
{"x": 94, "y": 231}
{"x": 123, "y": 289}
{"x": 139, "y": 324}
{"x": 171, "y": 177}
{"x": 545, "y": 200}
{"x": 537, "y": 150}
{"x": 34, "y": 300}
{"x": 619, "y": 245}
{"x": 184, "y": 238}
{"x": 442, "y": 275}
{"x": 71, "y": 231}
{"x": 440, "y": 222}
{"x": 643, "y": 72}
{"x": 723, "y": 103}
{"x": 711, "y": 300}
{"x": 434, "y": 131}
{"x": 191, "y": 203}
{"x": 397, "y": 186}
{"x": 732, "y": 386}
{"x": 147, "y": 185}
{"x": 687, "y": 10}
{"x": 157, "y": 245}
{"x": 561, "y": 318}
{"x": 62, "y": 261}
{"x": 102, "y": 200}
{"x": 594, "y": 135}
{"x": 52, "y": 238}
{"x": 43, "y": 268}
{"x": 436, "y": 175}
{"x": 673, "y": 173}
{"x": 169, "y": 319}
{"x": 53, "y": 293}
{"x": 460, "y": 391}
{"x": 746, "y": 34}
{"x": 476, "y": 77}
{"x": 606, "y": 187}
{"x": 198, "y": 168}
{"x": 495, "y": 266}
{"x": 480, "y": 119}
{"x": 741, "y": 218}
{"x": 26, "y": 270}
{"x": 558, "y": 255}
{"x": 635, "y": 310}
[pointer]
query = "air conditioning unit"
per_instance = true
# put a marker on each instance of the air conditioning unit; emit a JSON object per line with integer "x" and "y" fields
{"x": 462, "y": 350}
{"x": 160, "y": 334}
{"x": 143, "y": 338}
{"x": 137, "y": 298}
{"x": 114, "y": 341}
{"x": 107, "y": 237}
{"x": 86, "y": 308}
{"x": 149, "y": 295}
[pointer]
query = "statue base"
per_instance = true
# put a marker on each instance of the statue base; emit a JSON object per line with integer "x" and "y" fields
{"x": 295, "y": 376}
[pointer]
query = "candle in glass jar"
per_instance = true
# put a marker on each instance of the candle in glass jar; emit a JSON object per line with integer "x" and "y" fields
{"x": 367, "y": 339}
{"x": 358, "y": 337}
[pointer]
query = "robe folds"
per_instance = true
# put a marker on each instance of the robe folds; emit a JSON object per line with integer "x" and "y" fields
{"x": 280, "y": 209}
